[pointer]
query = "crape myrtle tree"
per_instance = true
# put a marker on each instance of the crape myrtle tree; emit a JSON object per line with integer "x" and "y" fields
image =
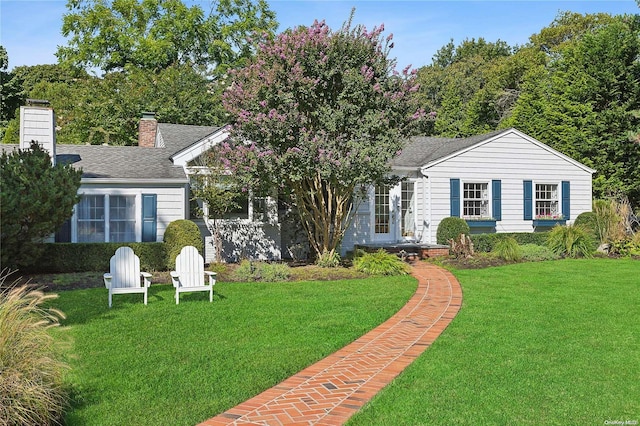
{"x": 217, "y": 190}
{"x": 320, "y": 113}
{"x": 35, "y": 200}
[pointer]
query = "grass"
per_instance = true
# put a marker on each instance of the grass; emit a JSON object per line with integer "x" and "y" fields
{"x": 179, "y": 365}
{"x": 534, "y": 343}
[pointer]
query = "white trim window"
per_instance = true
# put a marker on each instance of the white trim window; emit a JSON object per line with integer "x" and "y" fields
{"x": 106, "y": 218}
{"x": 546, "y": 201}
{"x": 122, "y": 218}
{"x": 475, "y": 200}
{"x": 90, "y": 212}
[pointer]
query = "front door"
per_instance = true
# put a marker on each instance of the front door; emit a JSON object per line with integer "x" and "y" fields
{"x": 394, "y": 212}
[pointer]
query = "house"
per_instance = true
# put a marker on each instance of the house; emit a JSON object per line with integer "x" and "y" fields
{"x": 131, "y": 193}
{"x": 503, "y": 181}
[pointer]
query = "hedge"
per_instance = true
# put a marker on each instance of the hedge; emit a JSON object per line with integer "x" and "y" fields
{"x": 486, "y": 242}
{"x": 80, "y": 257}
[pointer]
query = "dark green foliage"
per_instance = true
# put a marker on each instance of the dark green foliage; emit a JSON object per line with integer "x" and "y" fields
{"x": 450, "y": 228}
{"x": 154, "y": 35}
{"x": 486, "y": 242}
{"x": 380, "y": 263}
{"x": 536, "y": 253}
{"x": 570, "y": 241}
{"x": 35, "y": 200}
{"x": 250, "y": 271}
{"x": 508, "y": 249}
{"x": 81, "y": 257}
{"x": 181, "y": 233}
{"x": 589, "y": 221}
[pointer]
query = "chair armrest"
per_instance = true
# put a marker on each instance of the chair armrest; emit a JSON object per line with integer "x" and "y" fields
{"x": 212, "y": 277}
{"x": 175, "y": 278}
{"x": 107, "y": 280}
{"x": 147, "y": 278}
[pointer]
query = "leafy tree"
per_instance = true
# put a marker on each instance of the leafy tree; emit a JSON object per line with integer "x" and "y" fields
{"x": 325, "y": 112}
{"x": 9, "y": 91}
{"x": 218, "y": 192}
{"x": 107, "y": 109}
{"x": 585, "y": 101}
{"x": 114, "y": 35}
{"x": 35, "y": 200}
{"x": 470, "y": 87}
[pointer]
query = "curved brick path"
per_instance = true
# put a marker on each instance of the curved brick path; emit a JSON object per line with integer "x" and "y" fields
{"x": 333, "y": 389}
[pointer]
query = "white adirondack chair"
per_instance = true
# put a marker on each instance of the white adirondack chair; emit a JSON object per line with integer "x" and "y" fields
{"x": 124, "y": 274}
{"x": 189, "y": 274}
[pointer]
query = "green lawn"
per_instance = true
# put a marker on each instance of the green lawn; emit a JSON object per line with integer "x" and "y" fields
{"x": 534, "y": 343}
{"x": 163, "y": 364}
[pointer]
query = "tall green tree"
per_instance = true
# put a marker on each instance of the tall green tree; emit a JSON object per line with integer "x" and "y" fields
{"x": 585, "y": 103}
{"x": 113, "y": 35}
{"x": 35, "y": 200}
{"x": 325, "y": 112}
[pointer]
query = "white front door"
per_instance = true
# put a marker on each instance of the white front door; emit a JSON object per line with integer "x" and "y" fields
{"x": 394, "y": 212}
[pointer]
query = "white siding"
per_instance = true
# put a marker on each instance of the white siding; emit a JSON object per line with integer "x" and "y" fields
{"x": 511, "y": 159}
{"x": 171, "y": 203}
{"x": 38, "y": 124}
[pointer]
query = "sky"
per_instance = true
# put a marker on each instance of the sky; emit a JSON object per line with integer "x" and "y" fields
{"x": 30, "y": 29}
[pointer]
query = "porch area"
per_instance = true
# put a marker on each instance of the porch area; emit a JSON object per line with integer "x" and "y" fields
{"x": 408, "y": 250}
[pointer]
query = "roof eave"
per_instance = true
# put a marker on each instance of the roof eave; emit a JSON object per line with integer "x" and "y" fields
{"x": 129, "y": 181}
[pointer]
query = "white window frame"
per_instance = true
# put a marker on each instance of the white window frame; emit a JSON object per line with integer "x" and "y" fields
{"x": 554, "y": 213}
{"x": 107, "y": 193}
{"x": 485, "y": 198}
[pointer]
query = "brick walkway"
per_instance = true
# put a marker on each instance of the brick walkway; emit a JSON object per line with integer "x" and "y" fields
{"x": 333, "y": 389}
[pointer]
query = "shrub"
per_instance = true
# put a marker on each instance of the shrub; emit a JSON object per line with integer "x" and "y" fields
{"x": 450, "y": 228}
{"x": 329, "y": 259}
{"x": 250, "y": 271}
{"x": 570, "y": 241}
{"x": 486, "y": 242}
{"x": 181, "y": 233}
{"x": 508, "y": 249}
{"x": 536, "y": 253}
{"x": 81, "y": 257}
{"x": 31, "y": 391}
{"x": 380, "y": 263}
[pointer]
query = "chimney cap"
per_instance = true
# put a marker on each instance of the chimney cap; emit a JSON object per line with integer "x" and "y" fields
{"x": 148, "y": 115}
{"x": 38, "y": 102}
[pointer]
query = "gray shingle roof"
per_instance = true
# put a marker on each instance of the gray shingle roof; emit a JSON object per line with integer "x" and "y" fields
{"x": 117, "y": 162}
{"x": 421, "y": 150}
{"x": 176, "y": 137}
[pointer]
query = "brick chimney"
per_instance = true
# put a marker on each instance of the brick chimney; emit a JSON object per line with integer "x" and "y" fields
{"x": 147, "y": 130}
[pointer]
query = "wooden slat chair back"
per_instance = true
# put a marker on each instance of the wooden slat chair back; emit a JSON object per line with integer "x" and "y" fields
{"x": 124, "y": 274}
{"x": 190, "y": 274}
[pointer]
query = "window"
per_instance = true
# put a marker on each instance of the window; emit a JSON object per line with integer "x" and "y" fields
{"x": 106, "y": 218}
{"x": 382, "y": 215}
{"x": 122, "y": 219}
{"x": 91, "y": 219}
{"x": 475, "y": 200}
{"x": 547, "y": 201}
{"x": 408, "y": 201}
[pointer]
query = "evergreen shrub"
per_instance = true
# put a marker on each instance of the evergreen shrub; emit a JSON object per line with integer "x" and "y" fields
{"x": 486, "y": 242}
{"x": 450, "y": 228}
{"x": 82, "y": 257}
{"x": 181, "y": 233}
